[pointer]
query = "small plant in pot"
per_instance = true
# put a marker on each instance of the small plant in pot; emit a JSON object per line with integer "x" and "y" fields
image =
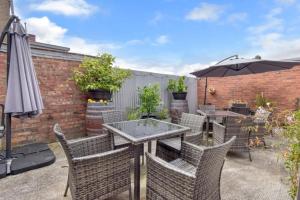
{"x": 98, "y": 77}
{"x": 178, "y": 88}
{"x": 149, "y": 100}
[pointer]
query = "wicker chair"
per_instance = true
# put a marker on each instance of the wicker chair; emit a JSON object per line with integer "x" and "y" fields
{"x": 239, "y": 127}
{"x": 194, "y": 176}
{"x": 209, "y": 108}
{"x": 111, "y": 116}
{"x": 96, "y": 171}
{"x": 169, "y": 149}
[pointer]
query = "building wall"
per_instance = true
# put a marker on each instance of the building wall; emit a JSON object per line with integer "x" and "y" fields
{"x": 64, "y": 104}
{"x": 4, "y": 13}
{"x": 281, "y": 87}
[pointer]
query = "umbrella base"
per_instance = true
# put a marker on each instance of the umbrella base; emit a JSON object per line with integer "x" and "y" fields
{"x": 2, "y": 169}
{"x": 29, "y": 157}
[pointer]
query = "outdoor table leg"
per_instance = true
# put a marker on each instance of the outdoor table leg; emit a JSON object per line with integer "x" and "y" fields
{"x": 149, "y": 147}
{"x": 137, "y": 171}
{"x": 207, "y": 127}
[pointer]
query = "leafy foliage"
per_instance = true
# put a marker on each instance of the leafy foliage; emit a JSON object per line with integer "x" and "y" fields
{"x": 262, "y": 101}
{"x": 149, "y": 98}
{"x": 292, "y": 153}
{"x": 163, "y": 113}
{"x": 177, "y": 86}
{"x": 133, "y": 114}
{"x": 99, "y": 73}
{"x": 289, "y": 124}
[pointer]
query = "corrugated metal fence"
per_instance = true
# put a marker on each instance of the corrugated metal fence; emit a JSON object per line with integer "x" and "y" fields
{"x": 127, "y": 96}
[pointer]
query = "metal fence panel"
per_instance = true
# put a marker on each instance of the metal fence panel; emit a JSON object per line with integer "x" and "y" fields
{"x": 127, "y": 96}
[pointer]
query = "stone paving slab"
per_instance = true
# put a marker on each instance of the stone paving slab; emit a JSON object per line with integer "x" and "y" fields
{"x": 262, "y": 179}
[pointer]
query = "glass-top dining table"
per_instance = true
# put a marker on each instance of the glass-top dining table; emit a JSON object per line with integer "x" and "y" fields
{"x": 141, "y": 131}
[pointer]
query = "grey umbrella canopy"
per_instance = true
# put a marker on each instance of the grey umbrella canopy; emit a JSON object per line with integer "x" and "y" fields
{"x": 234, "y": 66}
{"x": 23, "y": 97}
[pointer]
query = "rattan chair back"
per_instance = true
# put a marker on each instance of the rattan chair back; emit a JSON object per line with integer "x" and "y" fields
{"x": 195, "y": 122}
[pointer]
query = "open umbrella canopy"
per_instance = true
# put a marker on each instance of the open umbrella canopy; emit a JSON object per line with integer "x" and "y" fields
{"x": 240, "y": 66}
{"x": 23, "y": 97}
{"x": 234, "y": 66}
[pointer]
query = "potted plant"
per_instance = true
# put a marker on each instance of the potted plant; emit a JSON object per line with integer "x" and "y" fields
{"x": 262, "y": 101}
{"x": 149, "y": 100}
{"x": 238, "y": 103}
{"x": 178, "y": 88}
{"x": 98, "y": 77}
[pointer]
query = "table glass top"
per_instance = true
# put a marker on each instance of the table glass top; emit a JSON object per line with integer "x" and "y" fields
{"x": 222, "y": 113}
{"x": 145, "y": 127}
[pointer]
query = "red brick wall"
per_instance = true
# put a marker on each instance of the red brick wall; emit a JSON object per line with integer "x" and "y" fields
{"x": 63, "y": 102}
{"x": 282, "y": 87}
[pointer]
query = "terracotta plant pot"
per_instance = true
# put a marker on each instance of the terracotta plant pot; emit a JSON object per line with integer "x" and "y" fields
{"x": 100, "y": 94}
{"x": 179, "y": 95}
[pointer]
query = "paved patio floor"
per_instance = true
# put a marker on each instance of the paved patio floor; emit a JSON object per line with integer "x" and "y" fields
{"x": 262, "y": 179}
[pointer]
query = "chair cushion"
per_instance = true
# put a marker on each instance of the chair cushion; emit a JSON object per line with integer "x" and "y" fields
{"x": 174, "y": 143}
{"x": 183, "y": 165}
{"x": 120, "y": 141}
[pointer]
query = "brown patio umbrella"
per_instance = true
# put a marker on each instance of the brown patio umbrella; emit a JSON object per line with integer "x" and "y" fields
{"x": 234, "y": 66}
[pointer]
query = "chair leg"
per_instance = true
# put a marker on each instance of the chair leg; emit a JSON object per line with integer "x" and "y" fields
{"x": 143, "y": 159}
{"x": 265, "y": 146}
{"x": 67, "y": 187}
{"x": 250, "y": 158}
{"x": 130, "y": 194}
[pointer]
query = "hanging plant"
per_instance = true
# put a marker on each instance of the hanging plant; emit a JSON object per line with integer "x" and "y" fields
{"x": 212, "y": 91}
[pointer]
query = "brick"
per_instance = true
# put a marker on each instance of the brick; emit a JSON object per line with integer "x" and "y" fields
{"x": 64, "y": 103}
{"x": 281, "y": 87}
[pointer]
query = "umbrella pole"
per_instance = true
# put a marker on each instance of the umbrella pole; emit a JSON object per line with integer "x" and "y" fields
{"x": 205, "y": 92}
{"x": 8, "y": 136}
{"x": 8, "y": 115}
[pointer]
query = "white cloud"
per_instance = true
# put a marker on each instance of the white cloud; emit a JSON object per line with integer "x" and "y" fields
{"x": 45, "y": 30}
{"x": 237, "y": 17}
{"x": 49, "y": 32}
{"x": 270, "y": 39}
{"x": 205, "y": 12}
{"x": 65, "y": 7}
{"x": 161, "y": 40}
{"x": 275, "y": 46}
{"x": 189, "y": 68}
{"x": 273, "y": 23}
{"x": 157, "y": 18}
{"x": 160, "y": 67}
{"x": 145, "y": 65}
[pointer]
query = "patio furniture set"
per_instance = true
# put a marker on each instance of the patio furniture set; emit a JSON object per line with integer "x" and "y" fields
{"x": 186, "y": 165}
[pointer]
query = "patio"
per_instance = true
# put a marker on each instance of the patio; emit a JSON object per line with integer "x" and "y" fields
{"x": 231, "y": 132}
{"x": 264, "y": 178}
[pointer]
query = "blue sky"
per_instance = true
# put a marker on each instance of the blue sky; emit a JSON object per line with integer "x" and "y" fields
{"x": 167, "y": 36}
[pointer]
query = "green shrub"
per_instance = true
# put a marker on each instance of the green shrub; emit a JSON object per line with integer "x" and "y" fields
{"x": 262, "y": 101}
{"x": 177, "y": 85}
{"x": 133, "y": 114}
{"x": 292, "y": 153}
{"x": 149, "y": 99}
{"x": 98, "y": 73}
{"x": 163, "y": 113}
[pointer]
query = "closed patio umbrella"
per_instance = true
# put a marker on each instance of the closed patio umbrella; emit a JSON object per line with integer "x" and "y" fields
{"x": 23, "y": 99}
{"x": 234, "y": 66}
